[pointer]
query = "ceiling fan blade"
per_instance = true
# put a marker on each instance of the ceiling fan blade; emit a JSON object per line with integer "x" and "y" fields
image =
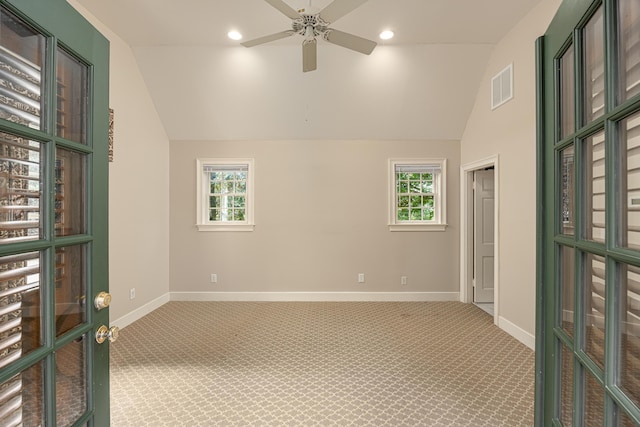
{"x": 350, "y": 41}
{"x": 267, "y": 39}
{"x": 338, "y": 9}
{"x": 284, "y": 8}
{"x": 309, "y": 55}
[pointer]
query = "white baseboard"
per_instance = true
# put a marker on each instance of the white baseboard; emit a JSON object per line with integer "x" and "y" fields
{"x": 140, "y": 312}
{"x": 517, "y": 332}
{"x": 315, "y": 296}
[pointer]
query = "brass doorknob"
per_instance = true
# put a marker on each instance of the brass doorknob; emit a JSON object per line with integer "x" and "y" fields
{"x": 102, "y": 300}
{"x": 103, "y": 333}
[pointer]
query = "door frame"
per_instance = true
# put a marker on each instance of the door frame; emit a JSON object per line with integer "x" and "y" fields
{"x": 466, "y": 231}
{"x": 65, "y": 27}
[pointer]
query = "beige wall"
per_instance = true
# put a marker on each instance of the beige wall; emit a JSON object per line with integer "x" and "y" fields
{"x": 138, "y": 186}
{"x": 321, "y": 218}
{"x": 509, "y": 132}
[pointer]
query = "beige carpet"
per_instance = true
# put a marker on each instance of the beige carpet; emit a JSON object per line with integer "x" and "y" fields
{"x": 308, "y": 364}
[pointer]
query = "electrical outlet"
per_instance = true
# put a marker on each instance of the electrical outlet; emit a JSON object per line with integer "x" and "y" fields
{"x": 214, "y": 278}
{"x": 132, "y": 293}
{"x": 360, "y": 277}
{"x": 403, "y": 280}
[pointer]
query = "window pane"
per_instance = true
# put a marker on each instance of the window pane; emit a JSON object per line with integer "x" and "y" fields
{"x": 567, "y": 190}
{"x": 595, "y": 308}
{"x": 71, "y": 384}
{"x": 228, "y": 189}
{"x": 630, "y": 332}
{"x": 72, "y": 98}
{"x": 594, "y": 402}
{"x": 70, "y": 192}
{"x": 594, "y": 67}
{"x": 70, "y": 288}
{"x": 625, "y": 420}
{"x": 630, "y": 47}
{"x": 630, "y": 181}
{"x": 20, "y": 321}
{"x": 20, "y": 188}
{"x": 566, "y": 387}
{"x": 21, "y": 399}
{"x": 595, "y": 186}
{"x": 567, "y": 94}
{"x": 567, "y": 276}
{"x": 21, "y": 61}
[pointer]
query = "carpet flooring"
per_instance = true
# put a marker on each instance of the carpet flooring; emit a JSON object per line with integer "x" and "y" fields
{"x": 319, "y": 364}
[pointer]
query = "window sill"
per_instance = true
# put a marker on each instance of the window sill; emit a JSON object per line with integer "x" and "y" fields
{"x": 225, "y": 227}
{"x": 417, "y": 227}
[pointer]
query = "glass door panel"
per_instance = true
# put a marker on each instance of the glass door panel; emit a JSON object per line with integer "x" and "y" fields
{"x": 53, "y": 184}
{"x": 71, "y": 387}
{"x": 600, "y": 193}
{"x": 567, "y": 93}
{"x": 20, "y": 189}
{"x": 567, "y": 190}
{"x": 567, "y": 291}
{"x": 595, "y": 187}
{"x": 630, "y": 185}
{"x": 70, "y": 192}
{"x": 21, "y": 64}
{"x": 594, "y": 308}
{"x": 21, "y": 399}
{"x": 594, "y": 67}
{"x": 71, "y": 307}
{"x": 72, "y": 93}
{"x": 594, "y": 402}
{"x": 566, "y": 386}
{"x": 20, "y": 312}
{"x": 629, "y": 18}
{"x": 630, "y": 332}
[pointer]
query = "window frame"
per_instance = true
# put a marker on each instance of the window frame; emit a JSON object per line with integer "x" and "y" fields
{"x": 439, "y": 223}
{"x": 202, "y": 206}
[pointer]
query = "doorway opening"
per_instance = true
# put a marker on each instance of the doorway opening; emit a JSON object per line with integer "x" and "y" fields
{"x": 479, "y": 261}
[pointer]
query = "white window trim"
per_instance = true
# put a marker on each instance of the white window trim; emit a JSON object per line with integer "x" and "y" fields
{"x": 202, "y": 217}
{"x": 440, "y": 201}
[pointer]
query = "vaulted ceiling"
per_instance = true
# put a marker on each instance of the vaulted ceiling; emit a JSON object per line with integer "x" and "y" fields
{"x": 419, "y": 85}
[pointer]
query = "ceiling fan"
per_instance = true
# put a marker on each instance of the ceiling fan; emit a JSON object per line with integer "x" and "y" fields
{"x": 311, "y": 24}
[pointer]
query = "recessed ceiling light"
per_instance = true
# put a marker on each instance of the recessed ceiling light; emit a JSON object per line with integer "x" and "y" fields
{"x": 386, "y": 35}
{"x": 234, "y": 35}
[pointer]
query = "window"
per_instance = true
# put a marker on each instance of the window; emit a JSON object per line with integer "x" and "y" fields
{"x": 225, "y": 195}
{"x": 417, "y": 194}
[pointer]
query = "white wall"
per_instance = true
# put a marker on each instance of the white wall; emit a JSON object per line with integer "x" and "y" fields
{"x": 416, "y": 92}
{"x": 321, "y": 218}
{"x": 509, "y": 132}
{"x": 138, "y": 186}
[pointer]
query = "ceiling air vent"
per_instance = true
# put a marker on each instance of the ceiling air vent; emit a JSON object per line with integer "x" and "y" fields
{"x": 502, "y": 87}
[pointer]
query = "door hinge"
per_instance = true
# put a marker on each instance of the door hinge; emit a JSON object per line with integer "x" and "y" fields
{"x": 473, "y": 282}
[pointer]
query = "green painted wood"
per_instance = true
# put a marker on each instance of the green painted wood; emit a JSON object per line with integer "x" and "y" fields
{"x": 566, "y": 25}
{"x": 65, "y": 27}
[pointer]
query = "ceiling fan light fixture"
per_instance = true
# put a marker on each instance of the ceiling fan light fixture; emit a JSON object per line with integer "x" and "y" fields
{"x": 234, "y": 35}
{"x": 309, "y": 33}
{"x": 386, "y": 35}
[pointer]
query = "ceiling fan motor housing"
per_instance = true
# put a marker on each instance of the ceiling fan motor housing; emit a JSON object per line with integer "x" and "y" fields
{"x": 305, "y": 21}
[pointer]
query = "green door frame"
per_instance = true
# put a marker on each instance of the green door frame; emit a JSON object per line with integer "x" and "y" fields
{"x": 64, "y": 26}
{"x": 565, "y": 27}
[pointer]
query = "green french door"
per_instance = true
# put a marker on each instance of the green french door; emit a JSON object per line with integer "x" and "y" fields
{"x": 53, "y": 217}
{"x": 588, "y": 308}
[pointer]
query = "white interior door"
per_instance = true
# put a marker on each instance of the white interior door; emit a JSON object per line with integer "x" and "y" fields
{"x": 483, "y": 233}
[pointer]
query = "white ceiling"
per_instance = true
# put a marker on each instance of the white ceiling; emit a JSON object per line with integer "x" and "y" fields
{"x": 420, "y": 85}
{"x": 206, "y": 22}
